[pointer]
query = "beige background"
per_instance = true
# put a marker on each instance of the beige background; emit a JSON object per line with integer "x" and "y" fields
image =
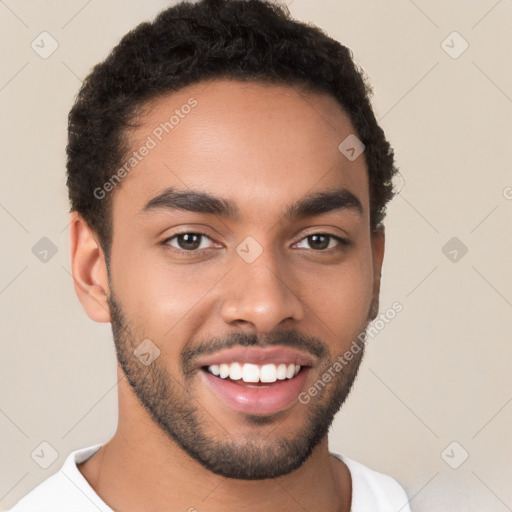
{"x": 438, "y": 373}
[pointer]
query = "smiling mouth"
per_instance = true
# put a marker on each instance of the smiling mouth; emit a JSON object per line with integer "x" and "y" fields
{"x": 255, "y": 380}
{"x": 247, "y": 395}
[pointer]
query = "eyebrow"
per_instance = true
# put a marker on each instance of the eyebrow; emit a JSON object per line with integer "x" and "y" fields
{"x": 316, "y": 203}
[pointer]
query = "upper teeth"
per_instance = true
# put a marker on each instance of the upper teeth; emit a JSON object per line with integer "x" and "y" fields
{"x": 253, "y": 373}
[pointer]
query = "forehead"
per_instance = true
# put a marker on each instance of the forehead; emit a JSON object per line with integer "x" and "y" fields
{"x": 257, "y": 144}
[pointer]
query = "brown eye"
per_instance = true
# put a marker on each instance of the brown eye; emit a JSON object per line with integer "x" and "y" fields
{"x": 188, "y": 241}
{"x": 318, "y": 242}
{"x": 321, "y": 242}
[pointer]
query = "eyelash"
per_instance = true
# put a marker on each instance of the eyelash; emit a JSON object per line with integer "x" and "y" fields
{"x": 343, "y": 243}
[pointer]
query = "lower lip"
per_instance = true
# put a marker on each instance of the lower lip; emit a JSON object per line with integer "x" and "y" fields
{"x": 259, "y": 399}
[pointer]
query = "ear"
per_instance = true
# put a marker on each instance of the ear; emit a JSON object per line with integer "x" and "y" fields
{"x": 378, "y": 243}
{"x": 89, "y": 270}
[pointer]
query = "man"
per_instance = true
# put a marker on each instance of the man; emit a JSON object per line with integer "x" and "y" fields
{"x": 228, "y": 182}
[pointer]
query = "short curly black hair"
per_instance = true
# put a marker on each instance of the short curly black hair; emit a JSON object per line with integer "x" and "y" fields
{"x": 246, "y": 40}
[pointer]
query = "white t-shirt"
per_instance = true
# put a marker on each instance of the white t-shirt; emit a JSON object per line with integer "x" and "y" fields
{"x": 68, "y": 490}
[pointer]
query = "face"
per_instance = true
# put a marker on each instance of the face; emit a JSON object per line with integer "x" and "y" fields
{"x": 242, "y": 246}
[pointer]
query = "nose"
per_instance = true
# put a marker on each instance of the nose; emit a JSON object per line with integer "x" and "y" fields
{"x": 260, "y": 294}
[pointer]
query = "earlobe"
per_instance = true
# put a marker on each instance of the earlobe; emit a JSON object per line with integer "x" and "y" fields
{"x": 89, "y": 270}
{"x": 378, "y": 244}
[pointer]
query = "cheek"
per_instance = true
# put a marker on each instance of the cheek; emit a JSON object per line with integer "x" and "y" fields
{"x": 162, "y": 297}
{"x": 342, "y": 296}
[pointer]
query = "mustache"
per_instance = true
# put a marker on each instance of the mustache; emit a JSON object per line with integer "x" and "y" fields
{"x": 293, "y": 339}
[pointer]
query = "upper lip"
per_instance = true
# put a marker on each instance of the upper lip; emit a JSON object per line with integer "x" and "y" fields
{"x": 260, "y": 356}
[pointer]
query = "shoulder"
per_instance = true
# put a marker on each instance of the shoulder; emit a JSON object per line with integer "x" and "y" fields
{"x": 373, "y": 491}
{"x": 67, "y": 490}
